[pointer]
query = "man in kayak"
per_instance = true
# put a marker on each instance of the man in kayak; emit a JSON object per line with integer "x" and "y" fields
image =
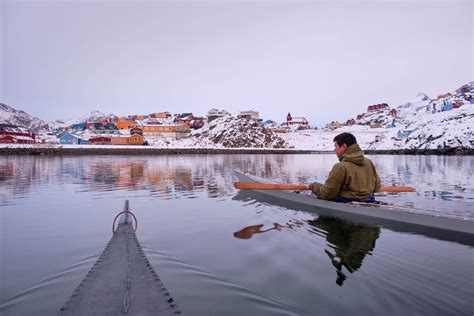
{"x": 353, "y": 178}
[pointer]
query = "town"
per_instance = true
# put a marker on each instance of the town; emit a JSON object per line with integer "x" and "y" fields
{"x": 140, "y": 129}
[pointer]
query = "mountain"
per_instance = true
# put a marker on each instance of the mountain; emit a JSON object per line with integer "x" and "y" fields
{"x": 94, "y": 116}
{"x": 9, "y": 115}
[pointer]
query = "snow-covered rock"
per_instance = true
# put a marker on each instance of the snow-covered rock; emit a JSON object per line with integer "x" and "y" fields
{"x": 233, "y": 132}
{"x": 93, "y": 116}
{"x": 9, "y": 115}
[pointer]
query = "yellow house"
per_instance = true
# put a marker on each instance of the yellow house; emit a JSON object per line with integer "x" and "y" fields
{"x": 122, "y": 140}
{"x": 135, "y": 139}
{"x": 125, "y": 124}
{"x": 176, "y": 131}
{"x": 162, "y": 115}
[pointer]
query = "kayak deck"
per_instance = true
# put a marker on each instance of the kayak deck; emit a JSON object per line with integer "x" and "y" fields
{"x": 122, "y": 281}
{"x": 366, "y": 210}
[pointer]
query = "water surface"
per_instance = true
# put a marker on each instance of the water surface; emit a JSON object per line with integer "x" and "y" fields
{"x": 221, "y": 252}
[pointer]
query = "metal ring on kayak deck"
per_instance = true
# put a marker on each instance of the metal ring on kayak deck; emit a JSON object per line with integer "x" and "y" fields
{"x": 115, "y": 219}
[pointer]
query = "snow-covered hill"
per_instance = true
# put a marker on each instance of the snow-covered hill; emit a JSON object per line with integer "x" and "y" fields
{"x": 231, "y": 132}
{"x": 9, "y": 115}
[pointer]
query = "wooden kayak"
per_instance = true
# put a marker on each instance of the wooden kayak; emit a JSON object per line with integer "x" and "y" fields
{"x": 122, "y": 281}
{"x": 375, "y": 213}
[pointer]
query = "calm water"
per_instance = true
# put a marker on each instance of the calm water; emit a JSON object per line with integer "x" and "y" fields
{"x": 221, "y": 252}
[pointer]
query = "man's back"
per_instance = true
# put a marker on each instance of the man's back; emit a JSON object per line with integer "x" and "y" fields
{"x": 354, "y": 177}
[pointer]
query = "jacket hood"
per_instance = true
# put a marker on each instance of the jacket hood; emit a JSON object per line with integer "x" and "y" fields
{"x": 354, "y": 154}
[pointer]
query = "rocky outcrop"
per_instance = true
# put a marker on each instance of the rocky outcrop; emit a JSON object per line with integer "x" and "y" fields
{"x": 233, "y": 132}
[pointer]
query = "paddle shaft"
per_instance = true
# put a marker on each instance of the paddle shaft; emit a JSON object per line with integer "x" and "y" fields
{"x": 300, "y": 187}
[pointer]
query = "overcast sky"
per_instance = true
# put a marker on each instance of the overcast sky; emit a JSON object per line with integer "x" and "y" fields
{"x": 324, "y": 60}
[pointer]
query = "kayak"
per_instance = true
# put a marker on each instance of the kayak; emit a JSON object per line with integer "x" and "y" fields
{"x": 372, "y": 212}
{"x": 122, "y": 280}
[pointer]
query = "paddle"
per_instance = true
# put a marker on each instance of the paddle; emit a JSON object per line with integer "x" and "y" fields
{"x": 300, "y": 187}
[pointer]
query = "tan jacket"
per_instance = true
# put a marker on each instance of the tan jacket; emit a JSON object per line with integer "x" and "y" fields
{"x": 353, "y": 177}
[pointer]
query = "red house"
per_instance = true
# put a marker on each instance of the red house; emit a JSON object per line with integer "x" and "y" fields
{"x": 377, "y": 107}
{"x": 393, "y": 112}
{"x": 16, "y": 134}
{"x": 350, "y": 122}
{"x": 100, "y": 140}
{"x": 136, "y": 130}
{"x": 184, "y": 118}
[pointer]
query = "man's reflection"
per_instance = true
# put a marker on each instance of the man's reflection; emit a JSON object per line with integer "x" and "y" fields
{"x": 349, "y": 243}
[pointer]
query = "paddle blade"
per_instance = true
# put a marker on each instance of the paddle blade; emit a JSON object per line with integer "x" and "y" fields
{"x": 397, "y": 189}
{"x": 269, "y": 186}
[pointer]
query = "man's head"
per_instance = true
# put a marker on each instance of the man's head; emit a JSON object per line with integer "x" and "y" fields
{"x": 342, "y": 141}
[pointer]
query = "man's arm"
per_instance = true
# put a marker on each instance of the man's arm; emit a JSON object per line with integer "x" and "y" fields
{"x": 331, "y": 188}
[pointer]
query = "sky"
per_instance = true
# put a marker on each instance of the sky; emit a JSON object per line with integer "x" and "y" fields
{"x": 323, "y": 60}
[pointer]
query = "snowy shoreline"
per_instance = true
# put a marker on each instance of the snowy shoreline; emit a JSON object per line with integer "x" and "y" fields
{"x": 49, "y": 150}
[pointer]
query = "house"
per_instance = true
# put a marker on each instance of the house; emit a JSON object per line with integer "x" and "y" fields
{"x": 16, "y": 134}
{"x": 333, "y": 125}
{"x": 404, "y": 134}
{"x": 442, "y": 96}
{"x": 10, "y": 139}
{"x": 72, "y": 140}
{"x": 176, "y": 131}
{"x": 107, "y": 128}
{"x": 162, "y": 115}
{"x": 136, "y": 130}
{"x": 79, "y": 126}
{"x": 350, "y": 122}
{"x": 184, "y": 118}
{"x": 301, "y": 122}
{"x": 134, "y": 139}
{"x": 377, "y": 107}
{"x": 197, "y": 123}
{"x": 213, "y": 114}
{"x": 100, "y": 140}
{"x": 248, "y": 114}
{"x": 125, "y": 124}
{"x": 447, "y": 107}
{"x": 393, "y": 112}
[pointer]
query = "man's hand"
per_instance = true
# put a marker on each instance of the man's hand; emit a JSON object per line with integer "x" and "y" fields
{"x": 314, "y": 186}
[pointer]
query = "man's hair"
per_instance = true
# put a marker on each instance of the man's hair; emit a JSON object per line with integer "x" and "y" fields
{"x": 345, "y": 138}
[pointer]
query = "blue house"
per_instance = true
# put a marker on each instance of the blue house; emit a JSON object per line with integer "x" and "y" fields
{"x": 79, "y": 126}
{"x": 404, "y": 134}
{"x": 72, "y": 140}
{"x": 447, "y": 107}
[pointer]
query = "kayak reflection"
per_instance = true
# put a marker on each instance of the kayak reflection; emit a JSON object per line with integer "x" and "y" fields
{"x": 349, "y": 243}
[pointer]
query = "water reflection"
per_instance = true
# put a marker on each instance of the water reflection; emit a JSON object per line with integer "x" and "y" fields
{"x": 249, "y": 231}
{"x": 436, "y": 178}
{"x": 349, "y": 243}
